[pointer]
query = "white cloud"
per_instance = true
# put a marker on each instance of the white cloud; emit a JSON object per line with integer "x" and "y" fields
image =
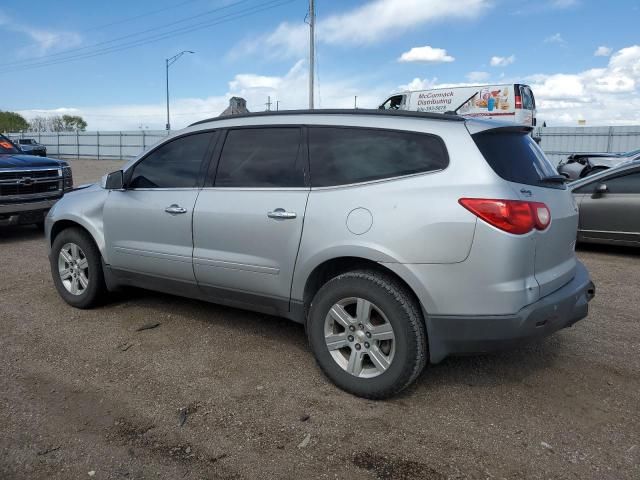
{"x": 290, "y": 89}
{"x": 478, "y": 76}
{"x": 418, "y": 84}
{"x": 44, "y": 40}
{"x": 426, "y": 54}
{"x": 502, "y": 61}
{"x": 555, "y": 38}
{"x": 602, "y": 96}
{"x": 602, "y": 51}
{"x": 371, "y": 23}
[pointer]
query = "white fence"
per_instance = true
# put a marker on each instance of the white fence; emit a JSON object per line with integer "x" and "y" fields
{"x": 557, "y": 142}
{"x": 99, "y": 145}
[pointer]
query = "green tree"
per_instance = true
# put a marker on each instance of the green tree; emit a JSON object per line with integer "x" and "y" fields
{"x": 12, "y": 122}
{"x": 73, "y": 123}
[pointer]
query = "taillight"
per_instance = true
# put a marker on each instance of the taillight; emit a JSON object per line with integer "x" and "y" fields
{"x": 518, "y": 102}
{"x": 541, "y": 214}
{"x": 512, "y": 216}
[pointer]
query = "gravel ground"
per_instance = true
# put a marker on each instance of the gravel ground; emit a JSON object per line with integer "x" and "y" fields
{"x": 215, "y": 392}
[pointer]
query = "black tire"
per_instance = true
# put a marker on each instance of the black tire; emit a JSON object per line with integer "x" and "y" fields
{"x": 95, "y": 290}
{"x": 39, "y": 226}
{"x": 402, "y": 312}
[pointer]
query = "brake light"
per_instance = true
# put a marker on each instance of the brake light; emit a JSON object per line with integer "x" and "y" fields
{"x": 518, "y": 102}
{"x": 512, "y": 216}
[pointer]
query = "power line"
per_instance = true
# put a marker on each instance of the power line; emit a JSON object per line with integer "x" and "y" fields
{"x": 136, "y": 17}
{"x": 155, "y": 38}
{"x": 123, "y": 37}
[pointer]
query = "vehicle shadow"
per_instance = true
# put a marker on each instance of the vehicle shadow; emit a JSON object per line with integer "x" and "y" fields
{"x": 507, "y": 367}
{"x": 608, "y": 249}
{"x": 483, "y": 371}
{"x": 244, "y": 321}
{"x": 14, "y": 234}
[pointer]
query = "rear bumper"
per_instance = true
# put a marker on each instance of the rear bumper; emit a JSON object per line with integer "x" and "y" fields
{"x": 24, "y": 213}
{"x": 451, "y": 335}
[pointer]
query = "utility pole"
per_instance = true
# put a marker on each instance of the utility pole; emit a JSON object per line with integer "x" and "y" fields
{"x": 355, "y": 102}
{"x": 277, "y": 105}
{"x": 168, "y": 62}
{"x": 312, "y": 53}
{"x": 268, "y": 104}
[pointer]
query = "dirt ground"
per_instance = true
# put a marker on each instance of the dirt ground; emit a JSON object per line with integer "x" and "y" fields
{"x": 214, "y": 392}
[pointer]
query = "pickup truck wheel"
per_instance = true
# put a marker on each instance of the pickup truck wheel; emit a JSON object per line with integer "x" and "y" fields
{"x": 367, "y": 334}
{"x": 76, "y": 268}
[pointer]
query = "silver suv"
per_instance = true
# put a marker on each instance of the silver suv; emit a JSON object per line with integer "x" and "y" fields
{"x": 397, "y": 238}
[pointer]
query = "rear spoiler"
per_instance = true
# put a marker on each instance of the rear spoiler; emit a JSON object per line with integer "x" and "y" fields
{"x": 487, "y": 127}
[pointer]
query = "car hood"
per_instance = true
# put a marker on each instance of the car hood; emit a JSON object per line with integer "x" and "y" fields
{"x": 20, "y": 161}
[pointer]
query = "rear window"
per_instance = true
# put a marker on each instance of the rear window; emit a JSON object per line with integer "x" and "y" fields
{"x": 341, "y": 156}
{"x": 516, "y": 157}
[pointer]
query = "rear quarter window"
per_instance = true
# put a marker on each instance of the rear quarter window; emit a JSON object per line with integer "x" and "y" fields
{"x": 516, "y": 157}
{"x": 342, "y": 156}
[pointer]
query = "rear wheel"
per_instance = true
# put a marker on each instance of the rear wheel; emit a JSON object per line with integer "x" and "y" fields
{"x": 367, "y": 334}
{"x": 76, "y": 268}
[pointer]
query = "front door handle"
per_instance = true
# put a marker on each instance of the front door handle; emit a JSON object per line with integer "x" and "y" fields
{"x": 281, "y": 214}
{"x": 175, "y": 209}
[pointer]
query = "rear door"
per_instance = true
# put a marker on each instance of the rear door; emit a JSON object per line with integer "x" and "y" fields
{"x": 515, "y": 157}
{"x": 614, "y": 214}
{"x": 248, "y": 221}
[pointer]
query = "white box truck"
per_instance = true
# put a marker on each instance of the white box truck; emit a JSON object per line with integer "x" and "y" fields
{"x": 512, "y": 102}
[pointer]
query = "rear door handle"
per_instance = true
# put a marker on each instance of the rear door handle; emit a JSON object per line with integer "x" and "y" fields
{"x": 175, "y": 209}
{"x": 281, "y": 214}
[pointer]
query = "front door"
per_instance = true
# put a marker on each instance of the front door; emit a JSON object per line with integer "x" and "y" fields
{"x": 248, "y": 222}
{"x": 614, "y": 212}
{"x": 148, "y": 226}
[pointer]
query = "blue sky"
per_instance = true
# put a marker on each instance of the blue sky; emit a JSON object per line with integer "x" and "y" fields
{"x": 582, "y": 57}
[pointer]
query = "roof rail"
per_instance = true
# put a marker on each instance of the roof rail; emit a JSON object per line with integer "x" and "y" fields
{"x": 359, "y": 111}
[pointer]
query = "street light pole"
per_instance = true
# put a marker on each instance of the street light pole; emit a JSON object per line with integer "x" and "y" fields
{"x": 312, "y": 53}
{"x": 168, "y": 62}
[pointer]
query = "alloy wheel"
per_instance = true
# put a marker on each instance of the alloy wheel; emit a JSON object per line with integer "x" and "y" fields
{"x": 73, "y": 268}
{"x": 359, "y": 337}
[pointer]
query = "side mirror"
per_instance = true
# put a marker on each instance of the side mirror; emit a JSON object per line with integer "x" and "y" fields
{"x": 115, "y": 181}
{"x": 601, "y": 189}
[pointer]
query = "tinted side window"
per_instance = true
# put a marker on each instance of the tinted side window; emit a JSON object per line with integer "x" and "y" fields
{"x": 624, "y": 184}
{"x": 340, "y": 156}
{"x": 516, "y": 157}
{"x": 173, "y": 165}
{"x": 261, "y": 157}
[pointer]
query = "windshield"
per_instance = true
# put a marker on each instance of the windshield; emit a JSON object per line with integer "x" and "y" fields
{"x": 6, "y": 146}
{"x": 26, "y": 141}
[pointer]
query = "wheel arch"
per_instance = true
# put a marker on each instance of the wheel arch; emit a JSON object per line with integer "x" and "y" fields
{"x": 62, "y": 224}
{"x": 330, "y": 268}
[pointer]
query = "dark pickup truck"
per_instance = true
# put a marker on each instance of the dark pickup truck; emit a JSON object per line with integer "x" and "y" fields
{"x": 31, "y": 147}
{"x": 29, "y": 185}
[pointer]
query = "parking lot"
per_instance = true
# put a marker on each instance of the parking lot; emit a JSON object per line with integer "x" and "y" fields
{"x": 215, "y": 392}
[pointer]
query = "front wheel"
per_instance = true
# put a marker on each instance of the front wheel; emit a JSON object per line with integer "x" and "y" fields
{"x": 367, "y": 334}
{"x": 76, "y": 268}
